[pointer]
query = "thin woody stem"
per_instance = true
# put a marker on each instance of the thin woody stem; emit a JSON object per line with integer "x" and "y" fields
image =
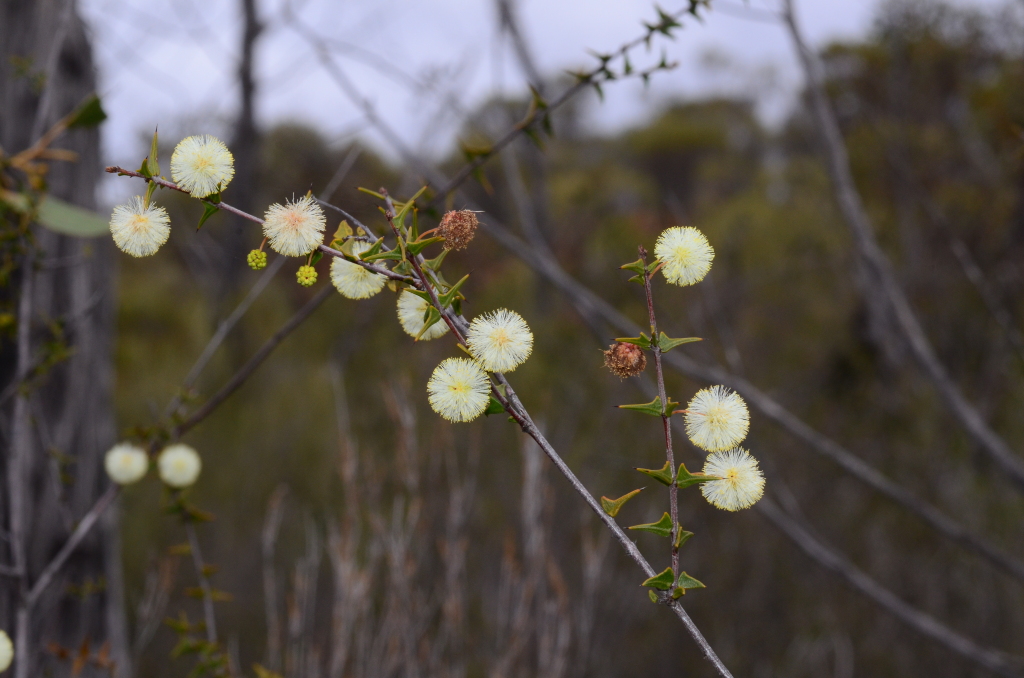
{"x": 673, "y": 490}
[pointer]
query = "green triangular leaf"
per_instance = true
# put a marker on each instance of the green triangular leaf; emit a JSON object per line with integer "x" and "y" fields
{"x": 208, "y": 211}
{"x": 432, "y": 317}
{"x": 637, "y": 267}
{"x": 152, "y": 161}
{"x": 666, "y": 343}
{"x": 643, "y": 341}
{"x": 493, "y": 407}
{"x": 652, "y": 408}
{"x": 89, "y": 114}
{"x": 612, "y": 506}
{"x": 682, "y": 538}
{"x": 435, "y": 263}
{"x": 685, "y": 479}
{"x": 420, "y": 245}
{"x": 662, "y": 581}
{"x": 662, "y": 475}
{"x": 662, "y": 528}
{"x": 687, "y": 582}
{"x": 446, "y": 299}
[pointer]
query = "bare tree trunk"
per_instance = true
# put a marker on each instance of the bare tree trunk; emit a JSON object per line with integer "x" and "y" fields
{"x": 64, "y": 422}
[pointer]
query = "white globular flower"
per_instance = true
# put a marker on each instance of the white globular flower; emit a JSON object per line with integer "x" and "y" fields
{"x": 352, "y": 280}
{"x": 295, "y": 228}
{"x": 740, "y": 483}
{"x": 411, "y": 309}
{"x": 179, "y": 465}
{"x": 458, "y": 390}
{"x": 717, "y": 419}
{"x": 685, "y": 253}
{"x": 138, "y": 229}
{"x": 126, "y": 463}
{"x": 202, "y": 165}
{"x": 6, "y": 651}
{"x": 500, "y": 340}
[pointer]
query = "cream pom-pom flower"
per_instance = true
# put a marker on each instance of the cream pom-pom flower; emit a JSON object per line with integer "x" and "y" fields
{"x": 717, "y": 419}
{"x": 411, "y": 309}
{"x": 6, "y": 651}
{"x": 202, "y": 165}
{"x": 179, "y": 465}
{"x": 458, "y": 389}
{"x": 138, "y": 229}
{"x": 126, "y": 463}
{"x": 740, "y": 481}
{"x": 501, "y": 340}
{"x": 685, "y": 253}
{"x": 295, "y": 228}
{"x": 354, "y": 281}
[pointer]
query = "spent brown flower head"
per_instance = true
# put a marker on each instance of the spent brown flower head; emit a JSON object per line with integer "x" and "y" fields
{"x": 625, "y": 360}
{"x": 457, "y": 228}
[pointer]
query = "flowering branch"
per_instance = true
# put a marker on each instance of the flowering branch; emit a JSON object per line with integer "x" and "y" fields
{"x": 673, "y": 489}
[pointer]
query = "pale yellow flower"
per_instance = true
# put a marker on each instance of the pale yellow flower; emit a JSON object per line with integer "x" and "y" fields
{"x": 296, "y": 228}
{"x": 717, "y": 419}
{"x": 740, "y": 484}
{"x": 458, "y": 390}
{"x": 126, "y": 463}
{"x": 352, "y": 280}
{"x": 202, "y": 165}
{"x": 6, "y": 651}
{"x": 411, "y": 309}
{"x": 179, "y": 465}
{"x": 685, "y": 253}
{"x": 500, "y": 340}
{"x": 139, "y": 230}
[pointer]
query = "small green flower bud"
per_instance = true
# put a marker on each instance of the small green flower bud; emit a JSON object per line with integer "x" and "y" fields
{"x": 257, "y": 260}
{"x": 306, "y": 276}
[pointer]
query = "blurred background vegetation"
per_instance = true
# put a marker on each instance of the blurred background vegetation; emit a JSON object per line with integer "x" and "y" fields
{"x": 357, "y": 532}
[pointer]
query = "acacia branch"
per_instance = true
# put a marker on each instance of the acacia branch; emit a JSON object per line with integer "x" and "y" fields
{"x": 204, "y": 582}
{"x": 885, "y": 285}
{"x": 673, "y": 489}
{"x": 510, "y": 401}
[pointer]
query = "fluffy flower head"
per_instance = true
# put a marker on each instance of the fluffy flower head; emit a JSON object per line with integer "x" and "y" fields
{"x": 717, "y": 419}
{"x": 202, "y": 165}
{"x": 501, "y": 340}
{"x": 179, "y": 465}
{"x": 458, "y": 390}
{"x": 6, "y": 651}
{"x": 686, "y": 253}
{"x": 126, "y": 463}
{"x": 139, "y": 230}
{"x": 352, "y": 280}
{"x": 411, "y": 309}
{"x": 741, "y": 482}
{"x": 296, "y": 228}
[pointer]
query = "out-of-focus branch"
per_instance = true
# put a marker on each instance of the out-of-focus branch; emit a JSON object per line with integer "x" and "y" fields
{"x": 884, "y": 281}
{"x": 993, "y": 660}
{"x": 249, "y": 367}
{"x": 268, "y": 542}
{"x": 204, "y": 582}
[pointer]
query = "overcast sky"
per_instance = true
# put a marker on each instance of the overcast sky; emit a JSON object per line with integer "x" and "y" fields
{"x": 172, "y": 63}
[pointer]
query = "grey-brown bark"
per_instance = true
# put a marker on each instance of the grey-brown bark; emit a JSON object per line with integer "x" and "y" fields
{"x": 56, "y": 431}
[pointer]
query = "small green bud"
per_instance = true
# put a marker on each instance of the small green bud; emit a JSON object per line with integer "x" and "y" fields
{"x": 306, "y": 276}
{"x": 257, "y": 260}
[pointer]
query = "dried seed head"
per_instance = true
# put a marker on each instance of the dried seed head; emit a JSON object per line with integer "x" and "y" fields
{"x": 457, "y": 228}
{"x": 625, "y": 360}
